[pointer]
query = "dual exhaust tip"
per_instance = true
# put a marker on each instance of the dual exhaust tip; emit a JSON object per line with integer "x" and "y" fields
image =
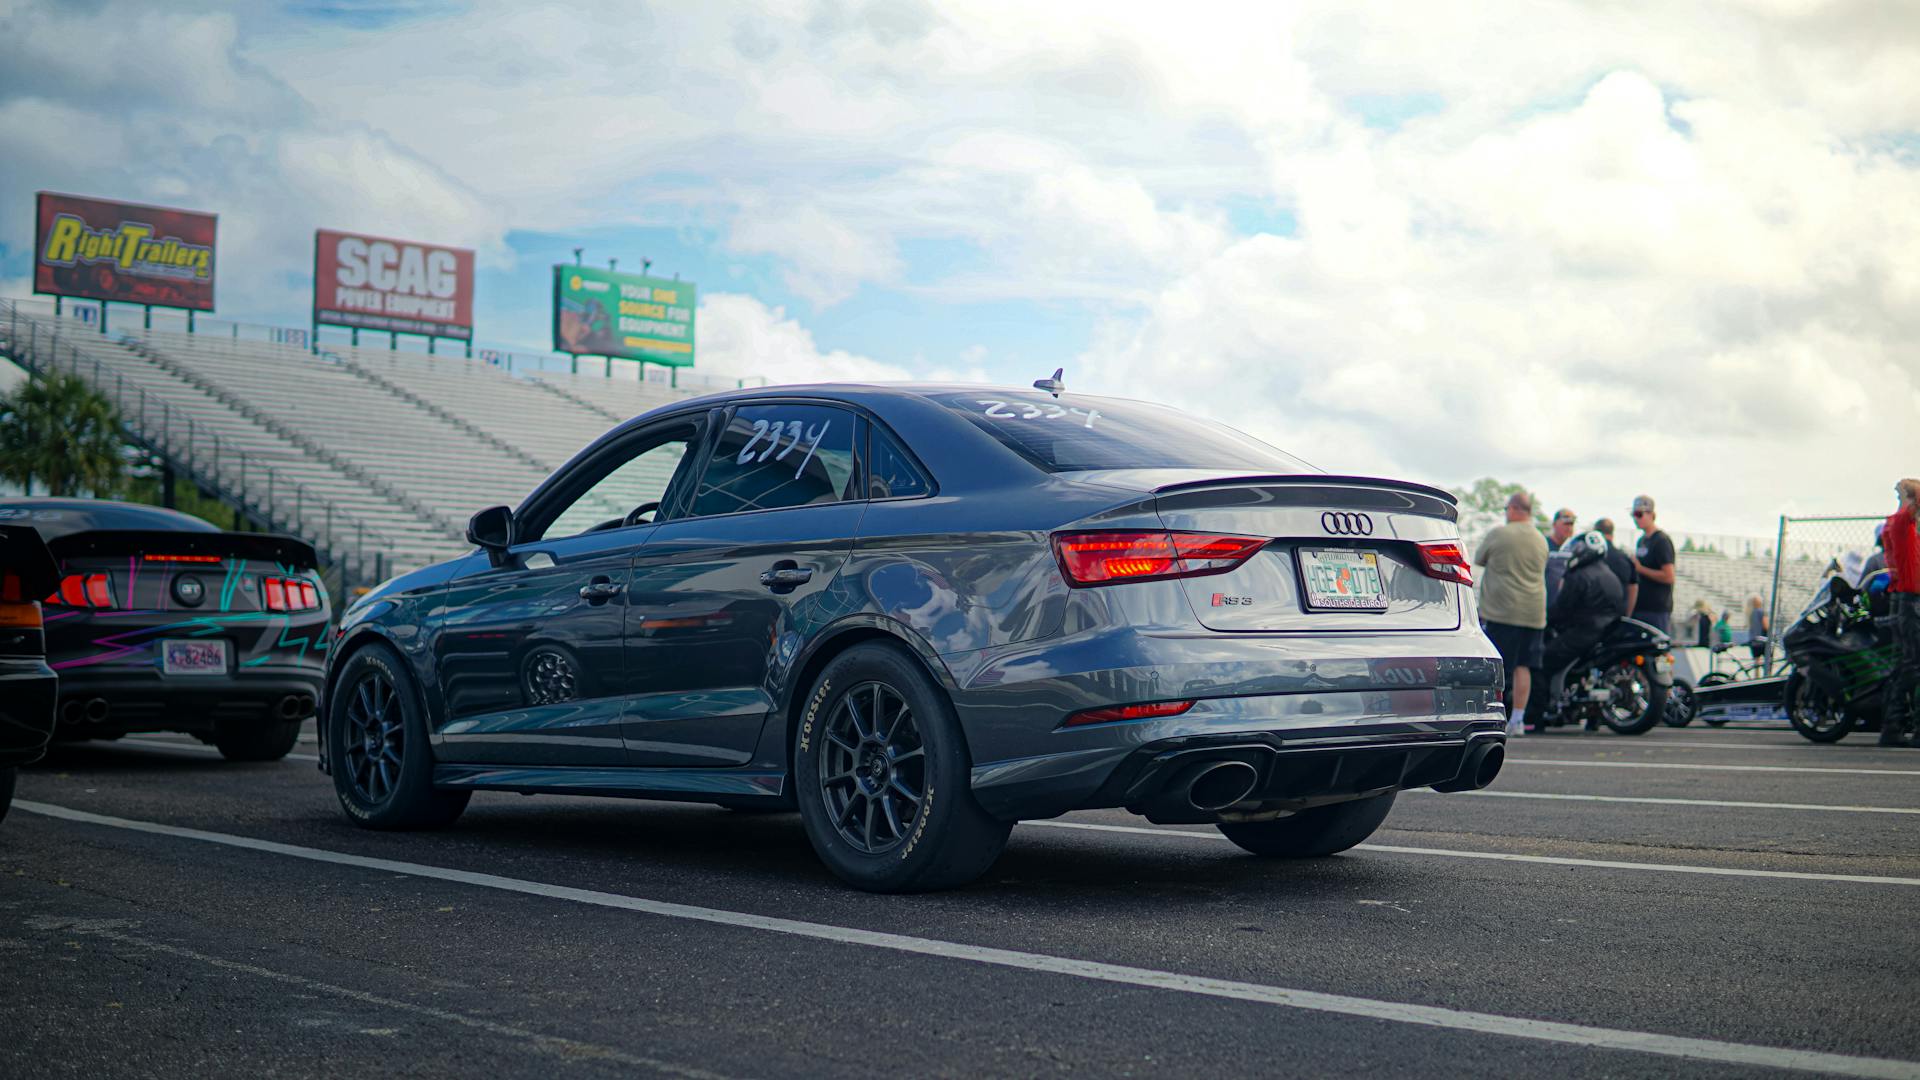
{"x": 92, "y": 711}
{"x": 295, "y": 707}
{"x": 1213, "y": 786}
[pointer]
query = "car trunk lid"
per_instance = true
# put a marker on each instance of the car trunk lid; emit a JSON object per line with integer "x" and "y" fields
{"x": 1342, "y": 553}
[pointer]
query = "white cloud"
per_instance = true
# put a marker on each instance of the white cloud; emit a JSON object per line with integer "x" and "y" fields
{"x": 741, "y": 336}
{"x": 1597, "y": 248}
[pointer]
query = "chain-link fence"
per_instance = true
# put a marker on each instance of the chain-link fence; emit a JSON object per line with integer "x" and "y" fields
{"x": 1808, "y": 551}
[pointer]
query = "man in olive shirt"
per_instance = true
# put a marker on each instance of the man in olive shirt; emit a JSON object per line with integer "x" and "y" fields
{"x": 1513, "y": 600}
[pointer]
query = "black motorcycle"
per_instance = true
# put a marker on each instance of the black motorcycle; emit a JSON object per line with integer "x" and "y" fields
{"x": 1621, "y": 680}
{"x": 1843, "y": 654}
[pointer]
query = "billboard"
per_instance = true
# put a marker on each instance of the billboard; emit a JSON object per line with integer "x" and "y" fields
{"x": 104, "y": 250}
{"x": 601, "y": 313}
{"x": 373, "y": 283}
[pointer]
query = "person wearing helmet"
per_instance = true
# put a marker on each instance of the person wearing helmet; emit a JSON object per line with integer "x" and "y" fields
{"x": 1590, "y": 600}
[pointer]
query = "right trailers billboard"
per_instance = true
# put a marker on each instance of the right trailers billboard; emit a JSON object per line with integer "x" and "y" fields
{"x": 603, "y": 313}
{"x": 403, "y": 286}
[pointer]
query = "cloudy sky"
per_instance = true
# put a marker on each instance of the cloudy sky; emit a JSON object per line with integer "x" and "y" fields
{"x": 1598, "y": 248}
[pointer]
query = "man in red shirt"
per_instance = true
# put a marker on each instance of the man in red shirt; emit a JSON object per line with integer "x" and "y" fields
{"x": 1902, "y": 545}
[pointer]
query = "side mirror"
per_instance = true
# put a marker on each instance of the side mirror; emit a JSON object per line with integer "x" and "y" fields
{"x": 492, "y": 529}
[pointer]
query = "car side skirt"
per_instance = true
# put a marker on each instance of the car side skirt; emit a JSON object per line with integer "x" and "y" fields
{"x": 686, "y": 785}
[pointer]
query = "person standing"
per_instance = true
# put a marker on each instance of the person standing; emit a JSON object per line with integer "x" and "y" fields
{"x": 1620, "y": 563}
{"x": 1653, "y": 561}
{"x": 1757, "y": 628}
{"x": 1902, "y": 545}
{"x": 1513, "y": 600}
{"x": 1557, "y": 535}
{"x": 1702, "y": 624}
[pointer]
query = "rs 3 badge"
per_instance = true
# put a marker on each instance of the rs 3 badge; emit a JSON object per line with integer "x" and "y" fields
{"x": 1223, "y": 600}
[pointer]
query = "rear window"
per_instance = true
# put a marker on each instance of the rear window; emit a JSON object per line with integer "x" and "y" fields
{"x": 1072, "y": 433}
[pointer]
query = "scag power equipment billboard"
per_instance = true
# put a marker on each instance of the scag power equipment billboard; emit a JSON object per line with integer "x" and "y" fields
{"x": 402, "y": 286}
{"x": 123, "y": 252}
{"x": 602, "y": 313}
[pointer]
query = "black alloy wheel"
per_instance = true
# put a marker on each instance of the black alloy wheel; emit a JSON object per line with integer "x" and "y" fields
{"x": 883, "y": 779}
{"x": 1813, "y": 714}
{"x": 873, "y": 768}
{"x": 1681, "y": 707}
{"x": 1636, "y": 702}
{"x": 375, "y": 738}
{"x": 377, "y": 749}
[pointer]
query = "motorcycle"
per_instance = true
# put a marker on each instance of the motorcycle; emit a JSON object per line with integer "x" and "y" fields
{"x": 1621, "y": 680}
{"x": 1843, "y": 655}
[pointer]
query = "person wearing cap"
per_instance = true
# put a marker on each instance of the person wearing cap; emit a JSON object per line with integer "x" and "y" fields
{"x": 1620, "y": 563}
{"x": 1653, "y": 561}
{"x": 1902, "y": 543}
{"x": 1513, "y": 601}
{"x": 1557, "y": 535}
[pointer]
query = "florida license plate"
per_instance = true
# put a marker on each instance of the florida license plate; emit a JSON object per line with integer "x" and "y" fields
{"x": 1343, "y": 579}
{"x": 202, "y": 657}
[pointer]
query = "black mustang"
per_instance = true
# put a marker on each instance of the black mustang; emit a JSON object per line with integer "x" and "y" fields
{"x": 921, "y": 613}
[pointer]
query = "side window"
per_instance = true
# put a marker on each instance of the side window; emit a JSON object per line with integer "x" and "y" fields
{"x": 776, "y": 456}
{"x": 891, "y": 474}
{"x": 635, "y": 482}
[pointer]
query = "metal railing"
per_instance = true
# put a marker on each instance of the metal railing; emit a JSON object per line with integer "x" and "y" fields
{"x": 512, "y": 360}
{"x": 257, "y": 489}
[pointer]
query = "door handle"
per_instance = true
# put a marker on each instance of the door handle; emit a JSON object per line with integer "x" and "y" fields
{"x": 600, "y": 590}
{"x": 785, "y": 575}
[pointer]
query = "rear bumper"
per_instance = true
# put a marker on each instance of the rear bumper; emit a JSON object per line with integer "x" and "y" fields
{"x": 150, "y": 701}
{"x": 1320, "y": 719}
{"x": 27, "y": 692}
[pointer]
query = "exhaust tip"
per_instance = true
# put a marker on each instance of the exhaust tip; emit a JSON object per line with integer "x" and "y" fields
{"x": 1221, "y": 784}
{"x": 70, "y": 712}
{"x": 1477, "y": 770}
{"x": 97, "y": 710}
{"x": 290, "y": 709}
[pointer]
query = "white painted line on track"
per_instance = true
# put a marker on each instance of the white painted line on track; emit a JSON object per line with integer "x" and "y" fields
{"x": 1513, "y": 760}
{"x": 1313, "y": 1001}
{"x": 1671, "y": 802}
{"x": 1502, "y": 856}
{"x": 1545, "y": 742}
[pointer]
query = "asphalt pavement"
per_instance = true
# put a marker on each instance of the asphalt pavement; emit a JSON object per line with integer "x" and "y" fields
{"x": 1700, "y": 902}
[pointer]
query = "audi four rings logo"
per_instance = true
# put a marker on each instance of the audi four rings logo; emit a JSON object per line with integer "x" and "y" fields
{"x": 1341, "y": 523}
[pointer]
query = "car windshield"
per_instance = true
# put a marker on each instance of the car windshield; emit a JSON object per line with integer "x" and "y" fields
{"x": 1072, "y": 433}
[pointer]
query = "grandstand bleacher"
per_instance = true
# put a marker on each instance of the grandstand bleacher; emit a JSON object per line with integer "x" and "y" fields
{"x": 378, "y": 456}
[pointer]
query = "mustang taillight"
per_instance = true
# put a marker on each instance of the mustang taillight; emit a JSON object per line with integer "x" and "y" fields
{"x": 289, "y": 594}
{"x": 93, "y": 591}
{"x": 1105, "y": 558}
{"x": 1148, "y": 711}
{"x": 1446, "y": 560}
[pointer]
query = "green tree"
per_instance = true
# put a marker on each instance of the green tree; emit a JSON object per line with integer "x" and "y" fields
{"x": 1489, "y": 496}
{"x": 57, "y": 430}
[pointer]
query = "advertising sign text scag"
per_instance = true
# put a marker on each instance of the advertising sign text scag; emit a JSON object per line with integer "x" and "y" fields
{"x": 602, "y": 313}
{"x": 372, "y": 283}
{"x": 124, "y": 252}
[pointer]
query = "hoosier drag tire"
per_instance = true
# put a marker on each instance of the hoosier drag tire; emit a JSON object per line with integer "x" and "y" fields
{"x": 881, "y": 771}
{"x": 377, "y": 748}
{"x": 1323, "y": 830}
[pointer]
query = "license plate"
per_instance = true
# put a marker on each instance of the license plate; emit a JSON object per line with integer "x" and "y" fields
{"x": 1343, "y": 579}
{"x": 208, "y": 657}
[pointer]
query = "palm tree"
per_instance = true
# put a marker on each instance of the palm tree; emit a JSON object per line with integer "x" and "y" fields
{"x": 58, "y": 430}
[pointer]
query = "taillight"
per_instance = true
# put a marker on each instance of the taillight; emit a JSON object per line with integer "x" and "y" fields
{"x": 182, "y": 558}
{"x": 1103, "y": 558}
{"x": 1128, "y": 712}
{"x": 1446, "y": 560}
{"x": 288, "y": 594}
{"x": 93, "y": 591}
{"x": 16, "y": 611}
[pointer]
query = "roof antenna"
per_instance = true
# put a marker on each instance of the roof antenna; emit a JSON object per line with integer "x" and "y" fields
{"x": 1052, "y": 386}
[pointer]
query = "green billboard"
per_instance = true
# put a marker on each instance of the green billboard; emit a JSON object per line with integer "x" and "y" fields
{"x": 603, "y": 313}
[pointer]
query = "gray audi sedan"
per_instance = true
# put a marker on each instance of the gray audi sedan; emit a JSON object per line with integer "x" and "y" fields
{"x": 921, "y": 613}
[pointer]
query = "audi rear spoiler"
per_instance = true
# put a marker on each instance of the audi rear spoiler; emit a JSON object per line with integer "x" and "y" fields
{"x": 1327, "y": 489}
{"x": 261, "y": 547}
